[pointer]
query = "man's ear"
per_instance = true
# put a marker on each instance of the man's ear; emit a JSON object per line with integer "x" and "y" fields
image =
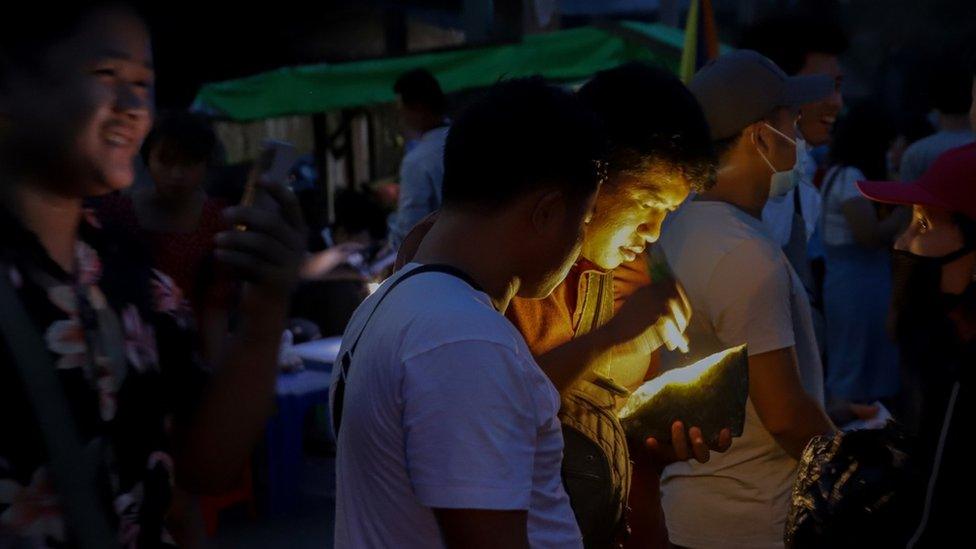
{"x": 548, "y": 211}
{"x": 761, "y": 138}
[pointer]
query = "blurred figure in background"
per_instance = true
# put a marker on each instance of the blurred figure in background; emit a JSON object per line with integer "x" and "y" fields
{"x": 423, "y": 107}
{"x": 862, "y": 362}
{"x": 179, "y": 222}
{"x": 802, "y": 43}
{"x": 911, "y": 127}
{"x": 951, "y": 94}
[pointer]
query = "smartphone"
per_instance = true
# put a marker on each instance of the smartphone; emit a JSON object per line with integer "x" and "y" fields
{"x": 273, "y": 164}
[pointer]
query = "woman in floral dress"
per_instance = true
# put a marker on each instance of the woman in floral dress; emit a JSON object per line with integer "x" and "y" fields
{"x": 76, "y": 101}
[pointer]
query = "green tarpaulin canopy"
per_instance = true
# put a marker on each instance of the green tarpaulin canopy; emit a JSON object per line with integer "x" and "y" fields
{"x": 566, "y": 55}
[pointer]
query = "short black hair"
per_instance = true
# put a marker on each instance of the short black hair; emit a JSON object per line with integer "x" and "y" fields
{"x": 726, "y": 144}
{"x": 519, "y": 135}
{"x": 788, "y": 38}
{"x": 419, "y": 88}
{"x": 951, "y": 85}
{"x": 27, "y": 38}
{"x": 187, "y": 138}
{"x": 651, "y": 118}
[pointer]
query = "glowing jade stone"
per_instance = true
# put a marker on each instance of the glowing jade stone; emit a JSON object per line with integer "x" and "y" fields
{"x": 710, "y": 394}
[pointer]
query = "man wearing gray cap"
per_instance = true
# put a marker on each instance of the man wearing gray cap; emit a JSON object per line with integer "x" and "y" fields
{"x": 742, "y": 289}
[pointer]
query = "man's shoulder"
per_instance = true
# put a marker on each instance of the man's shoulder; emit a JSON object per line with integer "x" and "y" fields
{"x": 430, "y": 147}
{"x": 441, "y": 309}
{"x": 709, "y": 230}
{"x": 937, "y": 144}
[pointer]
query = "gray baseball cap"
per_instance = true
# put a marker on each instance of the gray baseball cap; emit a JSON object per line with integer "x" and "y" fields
{"x": 741, "y": 87}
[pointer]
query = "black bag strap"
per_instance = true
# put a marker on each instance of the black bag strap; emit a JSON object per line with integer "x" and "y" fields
{"x": 345, "y": 361}
{"x": 72, "y": 466}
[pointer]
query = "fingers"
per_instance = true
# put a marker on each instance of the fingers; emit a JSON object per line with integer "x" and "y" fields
{"x": 291, "y": 211}
{"x": 263, "y": 221}
{"x": 349, "y": 247}
{"x": 679, "y": 441}
{"x": 247, "y": 266}
{"x": 255, "y": 243}
{"x": 698, "y": 446}
{"x": 724, "y": 440}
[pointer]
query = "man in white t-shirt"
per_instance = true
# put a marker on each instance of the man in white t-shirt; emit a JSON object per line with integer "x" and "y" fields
{"x": 447, "y": 429}
{"x": 422, "y": 107}
{"x": 742, "y": 289}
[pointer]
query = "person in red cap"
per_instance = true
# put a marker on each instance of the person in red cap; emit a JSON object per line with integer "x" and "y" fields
{"x": 934, "y": 311}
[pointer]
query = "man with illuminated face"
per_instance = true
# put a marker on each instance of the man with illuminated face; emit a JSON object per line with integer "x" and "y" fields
{"x": 595, "y": 334}
{"x": 590, "y": 335}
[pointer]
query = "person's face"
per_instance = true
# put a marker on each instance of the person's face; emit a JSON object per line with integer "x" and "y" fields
{"x": 934, "y": 232}
{"x": 79, "y": 119}
{"x": 817, "y": 119}
{"x": 557, "y": 248}
{"x": 175, "y": 177}
{"x": 628, "y": 215}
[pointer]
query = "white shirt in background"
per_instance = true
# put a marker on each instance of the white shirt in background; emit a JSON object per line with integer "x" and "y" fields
{"x": 742, "y": 289}
{"x": 444, "y": 408}
{"x": 922, "y": 153}
{"x": 836, "y": 230}
{"x": 421, "y": 184}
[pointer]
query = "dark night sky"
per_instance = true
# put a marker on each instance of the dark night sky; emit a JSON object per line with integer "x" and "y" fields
{"x": 197, "y": 43}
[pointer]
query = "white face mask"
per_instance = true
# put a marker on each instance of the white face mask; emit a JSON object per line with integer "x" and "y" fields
{"x": 781, "y": 182}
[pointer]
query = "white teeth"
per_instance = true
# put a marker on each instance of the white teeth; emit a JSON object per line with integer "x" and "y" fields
{"x": 117, "y": 140}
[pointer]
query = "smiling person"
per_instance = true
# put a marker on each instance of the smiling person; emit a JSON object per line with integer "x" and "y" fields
{"x": 802, "y": 43}
{"x": 76, "y": 102}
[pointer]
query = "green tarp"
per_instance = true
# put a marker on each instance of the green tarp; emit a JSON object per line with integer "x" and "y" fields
{"x": 566, "y": 55}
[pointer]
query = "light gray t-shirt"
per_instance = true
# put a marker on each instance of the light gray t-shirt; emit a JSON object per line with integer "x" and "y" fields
{"x": 421, "y": 184}
{"x": 445, "y": 407}
{"x": 742, "y": 289}
{"x": 922, "y": 153}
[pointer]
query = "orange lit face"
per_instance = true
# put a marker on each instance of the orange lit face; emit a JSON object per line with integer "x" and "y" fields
{"x": 628, "y": 215}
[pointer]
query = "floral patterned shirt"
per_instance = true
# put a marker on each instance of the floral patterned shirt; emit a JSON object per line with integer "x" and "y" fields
{"x": 121, "y": 337}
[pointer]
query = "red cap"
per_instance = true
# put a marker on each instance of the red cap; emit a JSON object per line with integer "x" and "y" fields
{"x": 949, "y": 183}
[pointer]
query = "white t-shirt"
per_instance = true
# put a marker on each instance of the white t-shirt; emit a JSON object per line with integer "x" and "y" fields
{"x": 742, "y": 289}
{"x": 840, "y": 185}
{"x": 444, "y": 408}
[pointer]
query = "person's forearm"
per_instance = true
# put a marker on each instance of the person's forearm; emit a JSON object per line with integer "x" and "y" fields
{"x": 807, "y": 420}
{"x": 571, "y": 361}
{"x": 239, "y": 401}
{"x": 214, "y": 327}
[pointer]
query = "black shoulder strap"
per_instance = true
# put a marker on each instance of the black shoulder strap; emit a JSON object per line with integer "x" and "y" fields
{"x": 797, "y": 204}
{"x": 345, "y": 361}
{"x": 72, "y": 464}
